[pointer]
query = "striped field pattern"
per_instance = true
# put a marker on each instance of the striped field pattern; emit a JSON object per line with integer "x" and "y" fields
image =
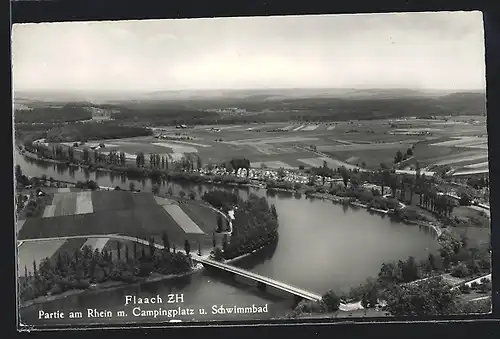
{"x": 96, "y": 243}
{"x": 66, "y": 203}
{"x": 310, "y": 128}
{"x": 49, "y": 211}
{"x": 140, "y": 215}
{"x": 182, "y": 219}
{"x": 84, "y": 203}
{"x": 64, "y": 190}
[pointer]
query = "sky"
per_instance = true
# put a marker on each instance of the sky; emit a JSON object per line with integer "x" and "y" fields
{"x": 440, "y": 50}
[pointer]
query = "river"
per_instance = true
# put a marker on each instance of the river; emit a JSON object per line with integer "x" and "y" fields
{"x": 321, "y": 246}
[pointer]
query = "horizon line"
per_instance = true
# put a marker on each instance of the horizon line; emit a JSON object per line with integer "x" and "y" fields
{"x": 250, "y": 89}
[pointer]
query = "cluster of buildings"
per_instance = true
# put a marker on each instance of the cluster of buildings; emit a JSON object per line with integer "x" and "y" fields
{"x": 266, "y": 174}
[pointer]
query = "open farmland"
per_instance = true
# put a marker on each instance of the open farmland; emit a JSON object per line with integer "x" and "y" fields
{"x": 182, "y": 219}
{"x": 19, "y": 225}
{"x": 139, "y": 215}
{"x": 96, "y": 243}
{"x": 69, "y": 203}
{"x": 202, "y": 215}
{"x": 456, "y": 152}
{"x": 69, "y": 246}
{"x": 65, "y": 204}
{"x": 274, "y": 144}
{"x": 273, "y": 149}
{"x": 332, "y": 163}
{"x": 372, "y": 158}
{"x": 30, "y": 252}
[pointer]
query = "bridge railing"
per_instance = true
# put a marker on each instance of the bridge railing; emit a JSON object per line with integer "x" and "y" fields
{"x": 267, "y": 280}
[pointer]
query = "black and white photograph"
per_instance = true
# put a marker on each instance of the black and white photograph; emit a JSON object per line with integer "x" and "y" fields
{"x": 251, "y": 169}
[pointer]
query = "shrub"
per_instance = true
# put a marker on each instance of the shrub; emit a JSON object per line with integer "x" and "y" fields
{"x": 331, "y": 301}
{"x": 465, "y": 289}
{"x": 127, "y": 277}
{"x": 145, "y": 269}
{"x": 217, "y": 254}
{"x": 460, "y": 271}
{"x": 465, "y": 199}
{"x": 308, "y": 306}
{"x": 56, "y": 289}
{"x": 484, "y": 288}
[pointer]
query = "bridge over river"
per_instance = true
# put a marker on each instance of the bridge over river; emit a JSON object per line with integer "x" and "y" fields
{"x": 262, "y": 281}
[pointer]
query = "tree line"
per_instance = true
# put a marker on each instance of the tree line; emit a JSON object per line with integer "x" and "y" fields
{"x": 255, "y": 223}
{"x": 416, "y": 288}
{"x": 85, "y": 131}
{"x": 394, "y": 277}
{"x": 158, "y": 165}
{"x": 79, "y": 268}
{"x": 66, "y": 113}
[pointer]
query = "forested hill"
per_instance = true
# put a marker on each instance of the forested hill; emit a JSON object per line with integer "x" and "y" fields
{"x": 162, "y": 108}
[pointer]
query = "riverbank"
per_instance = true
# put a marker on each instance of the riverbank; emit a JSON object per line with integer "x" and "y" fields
{"x": 344, "y": 200}
{"x": 438, "y": 230}
{"x": 109, "y": 286}
{"x": 36, "y": 157}
{"x": 117, "y": 285}
{"x": 339, "y": 199}
{"x": 254, "y": 184}
{"x": 246, "y": 255}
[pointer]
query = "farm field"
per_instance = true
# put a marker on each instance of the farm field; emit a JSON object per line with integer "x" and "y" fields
{"x": 69, "y": 246}
{"x": 96, "y": 243}
{"x": 19, "y": 225}
{"x": 30, "y": 252}
{"x": 182, "y": 219}
{"x": 319, "y": 161}
{"x": 121, "y": 212}
{"x": 429, "y": 156}
{"x": 371, "y": 158}
{"x": 274, "y": 144}
{"x": 203, "y": 216}
{"x": 69, "y": 203}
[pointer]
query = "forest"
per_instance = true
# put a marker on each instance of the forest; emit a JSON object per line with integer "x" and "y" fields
{"x": 94, "y": 131}
{"x": 417, "y": 288}
{"x": 80, "y": 268}
{"x": 69, "y": 112}
{"x": 255, "y": 223}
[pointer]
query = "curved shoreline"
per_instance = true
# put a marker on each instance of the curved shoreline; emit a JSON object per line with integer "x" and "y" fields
{"x": 116, "y": 285}
{"x": 333, "y": 198}
{"x": 107, "y": 287}
{"x": 323, "y": 196}
{"x": 336, "y": 199}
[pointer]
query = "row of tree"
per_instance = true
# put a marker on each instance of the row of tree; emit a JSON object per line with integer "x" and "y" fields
{"x": 158, "y": 165}
{"x": 80, "y": 267}
{"x": 400, "y": 156}
{"x": 455, "y": 256}
{"x": 402, "y": 187}
{"x": 255, "y": 223}
{"x": 84, "y": 131}
{"x": 411, "y": 288}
